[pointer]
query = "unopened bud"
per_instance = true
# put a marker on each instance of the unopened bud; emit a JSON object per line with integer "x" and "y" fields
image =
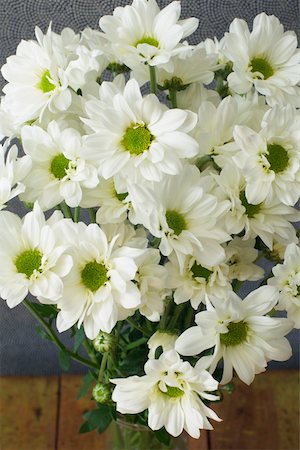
{"x": 102, "y": 393}
{"x": 103, "y": 342}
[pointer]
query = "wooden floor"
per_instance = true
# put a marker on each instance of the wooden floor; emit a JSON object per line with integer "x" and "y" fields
{"x": 41, "y": 413}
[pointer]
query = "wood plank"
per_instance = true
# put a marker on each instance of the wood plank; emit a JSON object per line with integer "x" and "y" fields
{"x": 28, "y": 408}
{"x": 262, "y": 416}
{"x": 70, "y": 419}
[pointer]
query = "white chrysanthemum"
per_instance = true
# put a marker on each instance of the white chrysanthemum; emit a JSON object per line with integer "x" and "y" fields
{"x": 267, "y": 58}
{"x": 141, "y": 33}
{"x": 271, "y": 222}
{"x": 151, "y": 281}
{"x": 185, "y": 217}
{"x": 32, "y": 257}
{"x": 214, "y": 130}
{"x": 287, "y": 281}
{"x": 139, "y": 137}
{"x": 99, "y": 291}
{"x": 12, "y": 172}
{"x": 35, "y": 75}
{"x": 114, "y": 206}
{"x": 240, "y": 333}
{"x": 194, "y": 94}
{"x": 164, "y": 339}
{"x": 173, "y": 392}
{"x": 270, "y": 159}
{"x": 196, "y": 282}
{"x": 240, "y": 257}
{"x": 193, "y": 66}
{"x": 59, "y": 166}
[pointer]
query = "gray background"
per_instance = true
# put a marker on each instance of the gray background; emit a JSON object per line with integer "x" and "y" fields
{"x": 22, "y": 351}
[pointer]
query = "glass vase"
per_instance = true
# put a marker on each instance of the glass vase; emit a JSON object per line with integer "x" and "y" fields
{"x": 124, "y": 435}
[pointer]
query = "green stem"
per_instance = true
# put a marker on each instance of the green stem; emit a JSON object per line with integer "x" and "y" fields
{"x": 55, "y": 339}
{"x": 76, "y": 214}
{"x": 178, "y": 311}
{"x": 173, "y": 97}
{"x": 134, "y": 344}
{"x": 153, "y": 85}
{"x": 66, "y": 210}
{"x": 219, "y": 87}
{"x": 163, "y": 320}
{"x": 92, "y": 215}
{"x": 103, "y": 367}
{"x": 137, "y": 326}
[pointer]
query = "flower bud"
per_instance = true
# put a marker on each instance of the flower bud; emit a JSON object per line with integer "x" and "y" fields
{"x": 103, "y": 342}
{"x": 102, "y": 392}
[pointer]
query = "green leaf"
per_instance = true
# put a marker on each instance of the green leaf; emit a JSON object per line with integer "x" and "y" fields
{"x": 45, "y": 310}
{"x": 86, "y": 427}
{"x": 163, "y": 437}
{"x": 78, "y": 339}
{"x": 99, "y": 418}
{"x": 41, "y": 331}
{"x": 87, "y": 380}
{"x": 64, "y": 360}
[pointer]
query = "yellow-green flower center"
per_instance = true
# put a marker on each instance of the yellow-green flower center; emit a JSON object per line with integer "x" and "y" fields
{"x": 28, "y": 261}
{"x": 148, "y": 40}
{"x": 45, "y": 85}
{"x": 237, "y": 333}
{"x": 261, "y": 66}
{"x": 278, "y": 157}
{"x": 59, "y": 165}
{"x": 175, "y": 221}
{"x": 251, "y": 210}
{"x": 200, "y": 272}
{"x": 137, "y": 139}
{"x": 94, "y": 275}
{"x": 173, "y": 391}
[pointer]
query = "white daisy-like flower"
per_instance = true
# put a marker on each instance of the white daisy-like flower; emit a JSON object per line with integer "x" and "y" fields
{"x": 35, "y": 75}
{"x": 151, "y": 281}
{"x": 12, "y": 172}
{"x": 240, "y": 258}
{"x": 240, "y": 333}
{"x": 164, "y": 339}
{"x": 59, "y": 166}
{"x": 194, "y": 94}
{"x": 32, "y": 257}
{"x": 173, "y": 392}
{"x": 187, "y": 219}
{"x": 269, "y": 221}
{"x": 139, "y": 137}
{"x": 270, "y": 159}
{"x": 100, "y": 290}
{"x": 193, "y": 66}
{"x": 287, "y": 280}
{"x": 141, "y": 33}
{"x": 114, "y": 206}
{"x": 267, "y": 58}
{"x": 214, "y": 130}
{"x": 196, "y": 282}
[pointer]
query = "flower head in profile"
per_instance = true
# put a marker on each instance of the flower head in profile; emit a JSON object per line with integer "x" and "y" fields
{"x": 287, "y": 280}
{"x": 100, "y": 289}
{"x": 12, "y": 172}
{"x": 173, "y": 392}
{"x": 32, "y": 257}
{"x": 141, "y": 33}
{"x": 266, "y": 58}
{"x": 240, "y": 333}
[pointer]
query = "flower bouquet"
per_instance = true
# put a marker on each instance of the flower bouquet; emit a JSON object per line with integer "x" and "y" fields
{"x": 151, "y": 200}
